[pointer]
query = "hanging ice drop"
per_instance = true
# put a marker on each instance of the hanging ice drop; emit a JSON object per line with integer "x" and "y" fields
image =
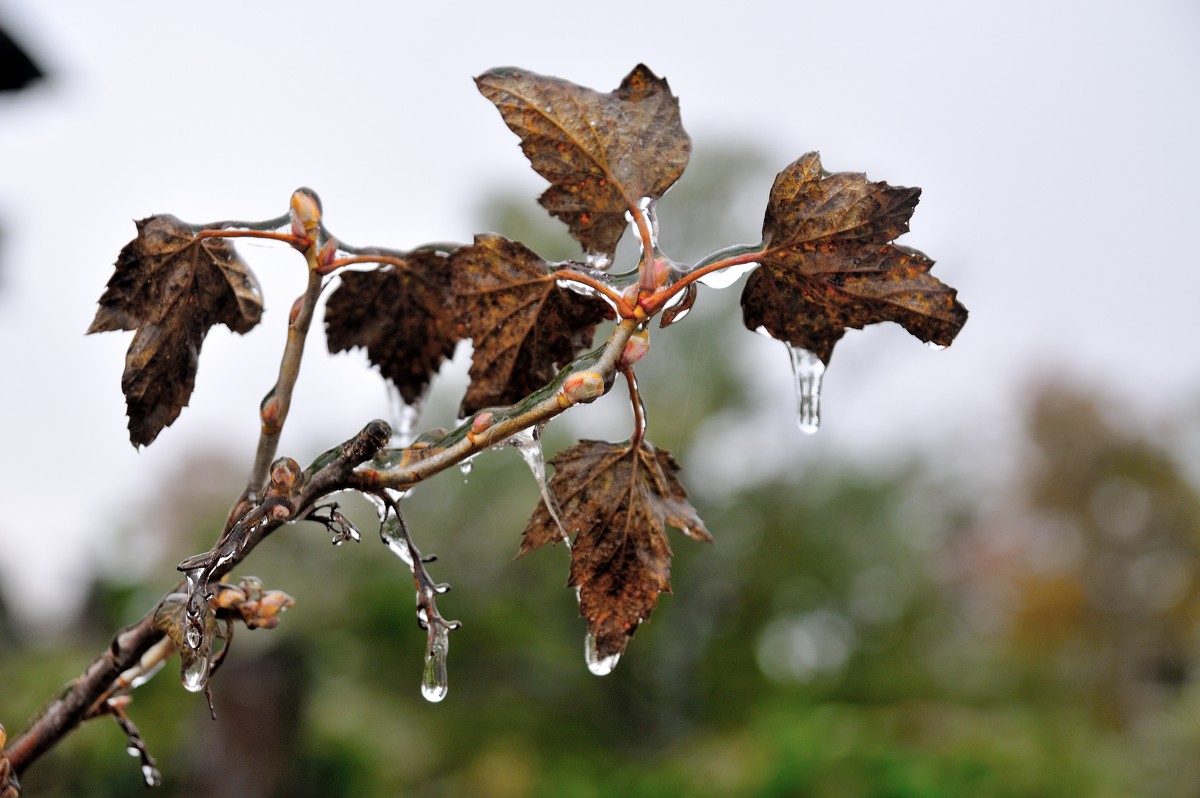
{"x": 194, "y": 673}
{"x": 151, "y": 776}
{"x": 601, "y": 666}
{"x": 807, "y": 369}
{"x": 434, "y": 685}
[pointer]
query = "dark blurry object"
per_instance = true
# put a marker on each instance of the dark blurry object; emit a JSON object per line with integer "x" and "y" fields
{"x": 17, "y": 69}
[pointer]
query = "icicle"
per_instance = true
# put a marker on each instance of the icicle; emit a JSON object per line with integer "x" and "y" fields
{"x": 404, "y": 417}
{"x": 807, "y": 369}
{"x": 601, "y": 666}
{"x": 434, "y": 684}
{"x": 193, "y": 634}
{"x": 528, "y": 443}
{"x": 392, "y": 536}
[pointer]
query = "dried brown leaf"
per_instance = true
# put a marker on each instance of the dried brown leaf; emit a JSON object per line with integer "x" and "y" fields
{"x": 171, "y": 288}
{"x": 523, "y": 325}
{"x": 828, "y": 263}
{"x": 602, "y": 153}
{"x": 402, "y": 316}
{"x": 618, "y": 502}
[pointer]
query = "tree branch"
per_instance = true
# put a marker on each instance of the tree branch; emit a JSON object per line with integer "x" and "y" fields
{"x": 73, "y": 705}
{"x": 353, "y": 465}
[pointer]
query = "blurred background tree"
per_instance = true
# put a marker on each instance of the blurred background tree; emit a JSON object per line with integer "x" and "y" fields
{"x": 852, "y": 632}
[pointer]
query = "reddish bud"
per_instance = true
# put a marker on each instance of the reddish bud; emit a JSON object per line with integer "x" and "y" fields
{"x": 270, "y": 413}
{"x": 327, "y": 255}
{"x": 228, "y": 596}
{"x": 306, "y": 213}
{"x": 583, "y": 386}
{"x": 482, "y": 422}
{"x": 635, "y": 348}
{"x": 285, "y": 473}
{"x": 295, "y": 311}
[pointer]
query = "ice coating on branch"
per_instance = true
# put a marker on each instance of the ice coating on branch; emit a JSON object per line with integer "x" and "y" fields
{"x": 601, "y": 666}
{"x": 434, "y": 684}
{"x": 807, "y": 370}
{"x": 726, "y": 277}
{"x": 528, "y": 443}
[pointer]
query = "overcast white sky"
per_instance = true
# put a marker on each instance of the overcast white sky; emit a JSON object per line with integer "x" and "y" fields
{"x": 1056, "y": 144}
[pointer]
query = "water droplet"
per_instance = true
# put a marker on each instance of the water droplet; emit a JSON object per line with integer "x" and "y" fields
{"x": 132, "y": 750}
{"x": 808, "y": 370}
{"x": 465, "y": 467}
{"x": 935, "y": 346}
{"x": 434, "y": 685}
{"x": 152, "y": 776}
{"x": 194, "y": 674}
{"x": 601, "y": 666}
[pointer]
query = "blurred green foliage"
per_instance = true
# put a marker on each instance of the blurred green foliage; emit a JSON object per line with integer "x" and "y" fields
{"x": 849, "y": 633}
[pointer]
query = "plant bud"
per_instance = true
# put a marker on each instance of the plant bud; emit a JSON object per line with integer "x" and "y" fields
{"x": 480, "y": 424}
{"x": 270, "y": 412}
{"x": 635, "y": 348}
{"x": 327, "y": 256}
{"x": 583, "y": 386}
{"x": 306, "y": 213}
{"x": 284, "y": 474}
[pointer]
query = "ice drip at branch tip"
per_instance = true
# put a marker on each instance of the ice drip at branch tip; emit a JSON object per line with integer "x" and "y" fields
{"x": 194, "y": 671}
{"x": 434, "y": 683}
{"x": 600, "y": 666}
{"x": 807, "y": 372}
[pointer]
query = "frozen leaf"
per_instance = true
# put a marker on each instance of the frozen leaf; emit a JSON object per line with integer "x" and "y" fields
{"x": 171, "y": 288}
{"x": 523, "y": 325}
{"x": 401, "y": 315}
{"x": 618, "y": 501}
{"x": 828, "y": 264}
{"x": 602, "y": 153}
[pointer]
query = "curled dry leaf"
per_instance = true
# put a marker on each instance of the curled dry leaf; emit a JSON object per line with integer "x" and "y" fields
{"x": 171, "y": 288}
{"x": 618, "y": 501}
{"x": 828, "y": 264}
{"x": 602, "y": 153}
{"x": 402, "y": 316}
{"x": 523, "y": 325}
